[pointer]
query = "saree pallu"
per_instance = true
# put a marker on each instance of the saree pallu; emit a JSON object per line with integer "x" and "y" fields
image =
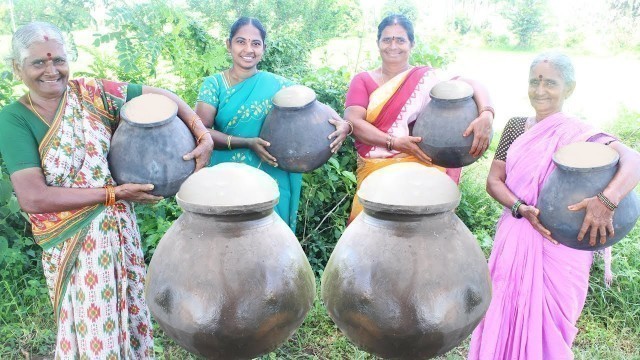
{"x": 391, "y": 107}
{"x": 92, "y": 257}
{"x": 241, "y": 111}
{"x": 539, "y": 288}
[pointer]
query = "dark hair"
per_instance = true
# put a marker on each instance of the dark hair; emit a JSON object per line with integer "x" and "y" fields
{"x": 245, "y": 20}
{"x": 399, "y": 19}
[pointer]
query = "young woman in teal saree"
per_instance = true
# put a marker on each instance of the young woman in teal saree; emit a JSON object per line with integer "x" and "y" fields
{"x": 235, "y": 102}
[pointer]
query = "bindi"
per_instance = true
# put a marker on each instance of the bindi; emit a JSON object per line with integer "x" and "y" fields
{"x": 540, "y": 77}
{"x": 49, "y": 56}
{"x": 46, "y": 38}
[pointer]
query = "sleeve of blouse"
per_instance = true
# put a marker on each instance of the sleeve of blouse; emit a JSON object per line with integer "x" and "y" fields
{"x": 357, "y": 93}
{"x": 509, "y": 134}
{"x": 209, "y": 91}
{"x": 18, "y": 145}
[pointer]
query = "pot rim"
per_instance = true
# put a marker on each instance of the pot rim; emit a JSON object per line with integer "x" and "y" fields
{"x": 295, "y": 107}
{"x": 147, "y": 125}
{"x": 226, "y": 210}
{"x": 614, "y": 162}
{"x": 433, "y": 97}
{"x": 411, "y": 209}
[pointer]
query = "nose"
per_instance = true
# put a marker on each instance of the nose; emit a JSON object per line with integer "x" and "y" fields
{"x": 50, "y": 68}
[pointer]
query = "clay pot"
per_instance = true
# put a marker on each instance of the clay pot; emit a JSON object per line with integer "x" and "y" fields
{"x": 407, "y": 279}
{"x": 148, "y": 145}
{"x": 229, "y": 279}
{"x": 583, "y": 170}
{"x": 444, "y": 120}
{"x": 298, "y": 128}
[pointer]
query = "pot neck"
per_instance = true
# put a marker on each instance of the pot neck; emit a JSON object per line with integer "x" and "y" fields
{"x": 236, "y": 222}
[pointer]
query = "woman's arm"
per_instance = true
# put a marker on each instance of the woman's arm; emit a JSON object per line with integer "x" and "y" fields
{"x": 598, "y": 217}
{"x": 497, "y": 189}
{"x": 36, "y": 197}
{"x": 365, "y": 132}
{"x": 204, "y": 145}
{"x": 481, "y": 127}
{"x": 223, "y": 141}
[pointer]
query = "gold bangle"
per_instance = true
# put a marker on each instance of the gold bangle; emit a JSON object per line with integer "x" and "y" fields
{"x": 200, "y": 137}
{"x": 351, "y": 126}
{"x": 229, "y": 142}
{"x": 110, "y": 195}
{"x": 489, "y": 109}
{"x": 608, "y": 203}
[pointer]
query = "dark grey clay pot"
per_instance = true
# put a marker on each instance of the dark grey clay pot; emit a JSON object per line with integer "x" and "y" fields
{"x": 407, "y": 279}
{"x": 298, "y": 128}
{"x": 229, "y": 279}
{"x": 444, "y": 120}
{"x": 151, "y": 152}
{"x": 569, "y": 185}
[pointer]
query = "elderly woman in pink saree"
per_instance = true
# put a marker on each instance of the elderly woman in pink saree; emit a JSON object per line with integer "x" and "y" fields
{"x": 384, "y": 103}
{"x": 539, "y": 287}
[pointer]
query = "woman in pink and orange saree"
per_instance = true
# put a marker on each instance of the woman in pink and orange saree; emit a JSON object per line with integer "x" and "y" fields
{"x": 54, "y": 141}
{"x": 539, "y": 287}
{"x": 382, "y": 104}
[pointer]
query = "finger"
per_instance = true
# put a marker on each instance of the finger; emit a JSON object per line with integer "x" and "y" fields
{"x": 469, "y": 129}
{"x": 333, "y": 122}
{"x": 603, "y": 234}
{"x": 189, "y": 156}
{"x": 476, "y": 147}
{"x": 334, "y": 134}
{"x": 593, "y": 234}
{"x": 263, "y": 142}
{"x": 610, "y": 228}
{"x": 579, "y": 206}
{"x": 583, "y": 229}
{"x": 414, "y": 139}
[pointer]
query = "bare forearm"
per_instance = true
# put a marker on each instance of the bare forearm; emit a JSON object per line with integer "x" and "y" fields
{"x": 185, "y": 113}
{"x": 627, "y": 176}
{"x": 47, "y": 199}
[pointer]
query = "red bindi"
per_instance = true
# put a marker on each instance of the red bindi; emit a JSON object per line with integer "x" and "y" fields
{"x": 46, "y": 38}
{"x": 540, "y": 77}
{"x": 49, "y": 56}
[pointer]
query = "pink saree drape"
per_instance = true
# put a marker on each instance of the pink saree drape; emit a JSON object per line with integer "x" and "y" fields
{"x": 539, "y": 288}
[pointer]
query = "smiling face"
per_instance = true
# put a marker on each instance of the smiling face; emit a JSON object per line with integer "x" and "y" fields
{"x": 394, "y": 45}
{"x": 246, "y": 47}
{"x": 45, "y": 70}
{"x": 547, "y": 90}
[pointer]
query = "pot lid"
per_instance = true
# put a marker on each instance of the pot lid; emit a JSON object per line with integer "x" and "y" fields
{"x": 294, "y": 96}
{"x": 585, "y": 155}
{"x": 228, "y": 188}
{"x": 409, "y": 188}
{"x": 451, "y": 90}
{"x": 149, "y": 108}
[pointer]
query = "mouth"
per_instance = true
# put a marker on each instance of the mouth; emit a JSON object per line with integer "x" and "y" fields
{"x": 51, "y": 81}
{"x": 248, "y": 58}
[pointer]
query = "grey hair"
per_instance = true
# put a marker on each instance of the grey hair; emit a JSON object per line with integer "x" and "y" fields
{"x": 27, "y": 35}
{"x": 560, "y": 62}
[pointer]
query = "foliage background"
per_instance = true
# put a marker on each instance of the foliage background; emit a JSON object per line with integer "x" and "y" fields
{"x": 174, "y": 45}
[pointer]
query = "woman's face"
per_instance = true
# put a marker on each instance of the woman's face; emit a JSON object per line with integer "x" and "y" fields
{"x": 45, "y": 70}
{"x": 547, "y": 90}
{"x": 394, "y": 45}
{"x": 246, "y": 47}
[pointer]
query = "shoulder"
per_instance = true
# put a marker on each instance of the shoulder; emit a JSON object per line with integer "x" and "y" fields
{"x": 516, "y": 123}
{"x": 281, "y": 81}
{"x": 12, "y": 114}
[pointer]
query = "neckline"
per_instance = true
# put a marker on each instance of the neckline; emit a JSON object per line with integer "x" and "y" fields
{"x": 227, "y": 78}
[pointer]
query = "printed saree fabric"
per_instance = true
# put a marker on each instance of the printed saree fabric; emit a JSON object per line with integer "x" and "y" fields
{"x": 392, "y": 108}
{"x": 241, "y": 110}
{"x": 92, "y": 257}
{"x": 539, "y": 288}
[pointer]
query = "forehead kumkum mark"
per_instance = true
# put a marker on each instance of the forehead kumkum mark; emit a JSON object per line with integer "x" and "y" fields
{"x": 46, "y": 38}
{"x": 540, "y": 77}
{"x": 49, "y": 56}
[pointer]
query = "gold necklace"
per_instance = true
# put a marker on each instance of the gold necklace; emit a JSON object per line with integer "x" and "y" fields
{"x": 36, "y": 111}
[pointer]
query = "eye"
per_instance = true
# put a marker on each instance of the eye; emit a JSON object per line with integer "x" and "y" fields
{"x": 257, "y": 44}
{"x": 59, "y": 61}
{"x": 401, "y": 41}
{"x": 240, "y": 41}
{"x": 549, "y": 83}
{"x": 386, "y": 40}
{"x": 534, "y": 82}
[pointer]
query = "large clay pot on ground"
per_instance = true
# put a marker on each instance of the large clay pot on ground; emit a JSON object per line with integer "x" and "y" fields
{"x": 407, "y": 279}
{"x": 583, "y": 170}
{"x": 148, "y": 145}
{"x": 298, "y": 128}
{"x": 444, "y": 120}
{"x": 229, "y": 279}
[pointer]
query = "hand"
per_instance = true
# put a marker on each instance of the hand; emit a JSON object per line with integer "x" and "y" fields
{"x": 202, "y": 152}
{"x": 409, "y": 145}
{"x": 259, "y": 146}
{"x": 136, "y": 193}
{"x": 531, "y": 214}
{"x": 342, "y": 129}
{"x": 598, "y": 217}
{"x": 481, "y": 129}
